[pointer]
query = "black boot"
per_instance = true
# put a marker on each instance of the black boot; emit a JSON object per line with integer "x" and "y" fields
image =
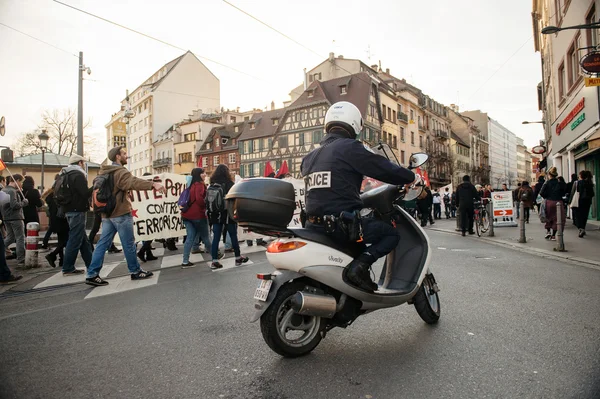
{"x": 141, "y": 255}
{"x": 149, "y": 255}
{"x": 113, "y": 249}
{"x": 357, "y": 274}
{"x": 51, "y": 258}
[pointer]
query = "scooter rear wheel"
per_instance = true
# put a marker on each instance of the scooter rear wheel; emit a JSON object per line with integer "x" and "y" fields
{"x": 427, "y": 301}
{"x": 286, "y": 332}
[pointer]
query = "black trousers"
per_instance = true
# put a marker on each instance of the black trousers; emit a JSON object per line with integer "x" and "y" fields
{"x": 580, "y": 213}
{"x": 437, "y": 211}
{"x": 382, "y": 236}
{"x": 466, "y": 218}
{"x": 95, "y": 227}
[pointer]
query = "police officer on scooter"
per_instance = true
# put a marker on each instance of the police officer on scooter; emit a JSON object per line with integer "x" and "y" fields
{"x": 333, "y": 174}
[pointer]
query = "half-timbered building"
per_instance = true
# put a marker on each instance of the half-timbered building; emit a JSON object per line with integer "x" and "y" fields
{"x": 221, "y": 147}
{"x": 302, "y": 127}
{"x": 256, "y": 141}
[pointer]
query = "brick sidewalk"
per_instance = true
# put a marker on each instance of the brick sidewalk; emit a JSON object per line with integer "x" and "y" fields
{"x": 585, "y": 249}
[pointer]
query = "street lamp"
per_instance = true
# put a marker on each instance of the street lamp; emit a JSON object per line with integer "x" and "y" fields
{"x": 43, "y": 137}
{"x": 548, "y": 30}
{"x": 527, "y": 122}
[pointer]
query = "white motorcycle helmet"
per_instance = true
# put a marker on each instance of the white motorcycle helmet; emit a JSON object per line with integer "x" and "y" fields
{"x": 346, "y": 116}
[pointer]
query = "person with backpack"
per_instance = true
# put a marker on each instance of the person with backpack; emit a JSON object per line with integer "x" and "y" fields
{"x": 525, "y": 194}
{"x": 110, "y": 198}
{"x": 192, "y": 204}
{"x": 59, "y": 225}
{"x": 447, "y": 203}
{"x": 12, "y": 214}
{"x": 220, "y": 184}
{"x": 72, "y": 194}
{"x": 516, "y": 199}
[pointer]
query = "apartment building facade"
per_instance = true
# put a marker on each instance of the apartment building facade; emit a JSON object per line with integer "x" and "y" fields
{"x": 570, "y": 107}
{"x": 162, "y": 100}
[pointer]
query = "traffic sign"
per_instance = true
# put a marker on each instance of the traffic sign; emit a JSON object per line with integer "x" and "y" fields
{"x": 503, "y": 208}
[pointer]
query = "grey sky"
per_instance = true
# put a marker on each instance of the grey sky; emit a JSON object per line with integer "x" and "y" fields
{"x": 448, "y": 49}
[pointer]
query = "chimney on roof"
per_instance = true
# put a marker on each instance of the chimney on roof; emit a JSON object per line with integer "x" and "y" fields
{"x": 331, "y": 56}
{"x": 272, "y": 105}
{"x": 387, "y": 70}
{"x": 454, "y": 107}
{"x": 374, "y": 66}
{"x": 341, "y": 56}
{"x": 305, "y": 82}
{"x": 237, "y": 109}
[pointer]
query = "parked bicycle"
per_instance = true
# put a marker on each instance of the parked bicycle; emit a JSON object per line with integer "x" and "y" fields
{"x": 481, "y": 217}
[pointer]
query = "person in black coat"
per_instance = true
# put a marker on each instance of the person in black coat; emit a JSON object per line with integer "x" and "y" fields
{"x": 32, "y": 195}
{"x": 536, "y": 191}
{"x": 220, "y": 219}
{"x": 553, "y": 192}
{"x": 60, "y": 226}
{"x": 424, "y": 205}
{"x": 585, "y": 188}
{"x": 466, "y": 195}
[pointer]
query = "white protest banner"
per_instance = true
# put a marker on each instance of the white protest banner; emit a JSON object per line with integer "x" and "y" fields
{"x": 503, "y": 208}
{"x": 156, "y": 215}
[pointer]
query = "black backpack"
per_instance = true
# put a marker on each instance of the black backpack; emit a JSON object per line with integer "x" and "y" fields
{"x": 447, "y": 199}
{"x": 525, "y": 195}
{"x": 103, "y": 199}
{"x": 62, "y": 189}
{"x": 215, "y": 200}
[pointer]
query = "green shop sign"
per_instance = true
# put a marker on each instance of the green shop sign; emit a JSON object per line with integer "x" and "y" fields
{"x": 578, "y": 121}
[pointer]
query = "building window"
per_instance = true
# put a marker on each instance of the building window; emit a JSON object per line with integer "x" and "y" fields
{"x": 561, "y": 82}
{"x": 185, "y": 157}
{"x": 232, "y": 158}
{"x": 393, "y": 116}
{"x": 402, "y": 156}
{"x": 236, "y": 129}
{"x": 224, "y": 140}
{"x": 205, "y": 162}
{"x": 343, "y": 90}
{"x": 395, "y": 142}
{"x": 412, "y": 138}
{"x": 252, "y": 124}
{"x": 216, "y": 160}
{"x": 573, "y": 61}
{"x": 232, "y": 119}
{"x": 275, "y": 121}
{"x": 402, "y": 138}
{"x": 420, "y": 141}
{"x": 592, "y": 34}
{"x": 412, "y": 116}
{"x": 189, "y": 137}
{"x": 390, "y": 138}
{"x": 246, "y": 118}
{"x": 559, "y": 4}
{"x": 310, "y": 93}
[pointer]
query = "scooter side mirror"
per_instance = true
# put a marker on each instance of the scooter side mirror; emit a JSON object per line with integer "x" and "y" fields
{"x": 417, "y": 160}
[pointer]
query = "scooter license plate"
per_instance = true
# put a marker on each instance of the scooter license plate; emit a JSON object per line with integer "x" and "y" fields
{"x": 262, "y": 291}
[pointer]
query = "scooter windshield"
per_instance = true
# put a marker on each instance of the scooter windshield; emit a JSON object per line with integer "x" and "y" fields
{"x": 385, "y": 151}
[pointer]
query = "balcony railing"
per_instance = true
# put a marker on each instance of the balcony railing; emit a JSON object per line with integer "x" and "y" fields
{"x": 403, "y": 117}
{"x": 421, "y": 127}
{"x": 161, "y": 163}
{"x": 440, "y": 134}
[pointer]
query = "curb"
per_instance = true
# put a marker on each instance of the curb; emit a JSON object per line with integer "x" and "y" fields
{"x": 592, "y": 264}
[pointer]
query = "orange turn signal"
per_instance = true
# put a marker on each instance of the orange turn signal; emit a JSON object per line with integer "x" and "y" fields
{"x": 278, "y": 247}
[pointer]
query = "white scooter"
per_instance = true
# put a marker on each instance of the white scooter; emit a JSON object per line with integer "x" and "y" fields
{"x": 306, "y": 296}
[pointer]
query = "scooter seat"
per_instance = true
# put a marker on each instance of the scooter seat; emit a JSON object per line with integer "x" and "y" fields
{"x": 323, "y": 238}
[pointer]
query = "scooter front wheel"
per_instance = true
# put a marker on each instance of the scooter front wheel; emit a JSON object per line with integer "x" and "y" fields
{"x": 427, "y": 301}
{"x": 287, "y": 333}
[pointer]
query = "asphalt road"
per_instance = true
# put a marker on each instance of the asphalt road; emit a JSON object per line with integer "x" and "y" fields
{"x": 513, "y": 326}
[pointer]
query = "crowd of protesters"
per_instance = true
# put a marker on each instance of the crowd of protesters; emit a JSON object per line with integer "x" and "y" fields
{"x": 20, "y": 200}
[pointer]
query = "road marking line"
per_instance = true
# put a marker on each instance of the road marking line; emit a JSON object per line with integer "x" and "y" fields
{"x": 59, "y": 279}
{"x": 123, "y": 284}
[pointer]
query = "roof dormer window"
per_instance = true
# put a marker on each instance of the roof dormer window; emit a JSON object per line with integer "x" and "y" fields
{"x": 343, "y": 89}
{"x": 252, "y": 125}
{"x": 236, "y": 129}
{"x": 311, "y": 93}
{"x": 224, "y": 140}
{"x": 275, "y": 121}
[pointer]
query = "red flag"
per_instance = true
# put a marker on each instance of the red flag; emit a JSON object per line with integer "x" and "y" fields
{"x": 283, "y": 170}
{"x": 2, "y": 165}
{"x": 268, "y": 169}
{"x": 200, "y": 161}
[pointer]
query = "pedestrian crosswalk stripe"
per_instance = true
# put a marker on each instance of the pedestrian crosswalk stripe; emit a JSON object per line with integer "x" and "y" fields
{"x": 59, "y": 279}
{"x": 175, "y": 260}
{"x": 122, "y": 284}
{"x": 229, "y": 263}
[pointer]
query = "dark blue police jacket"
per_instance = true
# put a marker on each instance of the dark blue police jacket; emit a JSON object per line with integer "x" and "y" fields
{"x": 335, "y": 177}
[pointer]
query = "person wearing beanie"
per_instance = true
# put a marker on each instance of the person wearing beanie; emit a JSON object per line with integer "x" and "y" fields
{"x": 75, "y": 211}
{"x": 120, "y": 219}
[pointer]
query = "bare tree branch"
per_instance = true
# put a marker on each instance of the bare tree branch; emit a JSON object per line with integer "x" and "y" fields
{"x": 61, "y": 127}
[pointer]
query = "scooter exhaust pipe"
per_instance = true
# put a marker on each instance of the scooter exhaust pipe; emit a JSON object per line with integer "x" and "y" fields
{"x": 314, "y": 305}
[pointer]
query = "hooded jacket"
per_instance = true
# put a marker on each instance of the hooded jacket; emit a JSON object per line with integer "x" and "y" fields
{"x": 12, "y": 209}
{"x": 35, "y": 201}
{"x": 124, "y": 181}
{"x": 80, "y": 196}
